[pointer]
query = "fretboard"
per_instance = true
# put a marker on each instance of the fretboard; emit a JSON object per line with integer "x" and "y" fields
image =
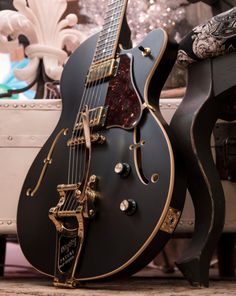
{"x": 109, "y": 35}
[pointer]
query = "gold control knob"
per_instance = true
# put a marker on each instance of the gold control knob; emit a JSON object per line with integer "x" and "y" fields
{"x": 146, "y": 51}
{"x": 128, "y": 206}
{"x": 122, "y": 169}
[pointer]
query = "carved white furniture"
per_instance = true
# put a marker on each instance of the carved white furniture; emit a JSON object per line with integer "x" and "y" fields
{"x": 48, "y": 35}
{"x": 25, "y": 125}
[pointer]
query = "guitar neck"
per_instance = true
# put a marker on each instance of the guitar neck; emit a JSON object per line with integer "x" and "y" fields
{"x": 108, "y": 38}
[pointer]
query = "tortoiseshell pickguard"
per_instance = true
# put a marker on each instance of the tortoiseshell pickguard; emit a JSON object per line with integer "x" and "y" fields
{"x": 124, "y": 105}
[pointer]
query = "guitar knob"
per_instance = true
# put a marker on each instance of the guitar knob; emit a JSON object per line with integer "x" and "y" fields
{"x": 122, "y": 169}
{"x": 146, "y": 51}
{"x": 128, "y": 206}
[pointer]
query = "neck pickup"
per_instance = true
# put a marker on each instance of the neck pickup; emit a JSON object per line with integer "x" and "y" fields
{"x": 102, "y": 70}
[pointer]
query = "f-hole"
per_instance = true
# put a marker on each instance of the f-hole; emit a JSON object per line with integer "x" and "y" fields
{"x": 137, "y": 147}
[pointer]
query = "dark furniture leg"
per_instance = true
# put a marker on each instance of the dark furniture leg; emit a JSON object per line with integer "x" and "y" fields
{"x": 209, "y": 84}
{"x": 3, "y": 243}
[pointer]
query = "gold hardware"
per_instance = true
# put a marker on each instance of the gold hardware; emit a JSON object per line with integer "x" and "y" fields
{"x": 119, "y": 168}
{"x": 136, "y": 145}
{"x": 90, "y": 192}
{"x": 124, "y": 205}
{"x": 171, "y": 220}
{"x": 91, "y": 213}
{"x": 155, "y": 178}
{"x": 97, "y": 117}
{"x": 94, "y": 138}
{"x": 84, "y": 210}
{"x": 102, "y": 70}
{"x": 136, "y": 148}
{"x": 67, "y": 284}
{"x": 47, "y": 161}
{"x": 87, "y": 135}
{"x": 79, "y": 232}
{"x": 146, "y": 52}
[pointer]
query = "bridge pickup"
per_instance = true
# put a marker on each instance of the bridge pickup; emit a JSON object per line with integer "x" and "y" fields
{"x": 102, "y": 70}
{"x": 95, "y": 138}
{"x": 97, "y": 118}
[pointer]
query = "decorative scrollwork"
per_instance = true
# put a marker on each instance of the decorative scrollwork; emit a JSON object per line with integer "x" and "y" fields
{"x": 47, "y": 33}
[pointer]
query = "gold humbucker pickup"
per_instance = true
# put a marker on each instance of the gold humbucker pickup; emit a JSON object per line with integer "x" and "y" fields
{"x": 94, "y": 138}
{"x": 97, "y": 118}
{"x": 102, "y": 70}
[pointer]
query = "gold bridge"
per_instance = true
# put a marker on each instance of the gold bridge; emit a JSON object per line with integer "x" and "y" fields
{"x": 102, "y": 70}
{"x": 94, "y": 138}
{"x": 97, "y": 118}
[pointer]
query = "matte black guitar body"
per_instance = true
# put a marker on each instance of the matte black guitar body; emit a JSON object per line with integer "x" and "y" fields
{"x": 118, "y": 240}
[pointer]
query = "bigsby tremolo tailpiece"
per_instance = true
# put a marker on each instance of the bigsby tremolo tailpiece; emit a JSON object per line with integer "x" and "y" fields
{"x": 71, "y": 225}
{"x": 71, "y": 215}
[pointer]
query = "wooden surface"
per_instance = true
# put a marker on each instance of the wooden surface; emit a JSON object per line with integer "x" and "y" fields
{"x": 134, "y": 286}
{"x": 21, "y": 279}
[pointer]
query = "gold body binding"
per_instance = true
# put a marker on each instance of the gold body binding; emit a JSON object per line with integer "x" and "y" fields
{"x": 47, "y": 161}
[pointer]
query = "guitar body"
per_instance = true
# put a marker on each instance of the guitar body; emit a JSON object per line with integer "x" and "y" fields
{"x": 117, "y": 242}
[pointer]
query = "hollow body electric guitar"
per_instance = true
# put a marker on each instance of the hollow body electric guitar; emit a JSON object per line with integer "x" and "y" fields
{"x": 103, "y": 195}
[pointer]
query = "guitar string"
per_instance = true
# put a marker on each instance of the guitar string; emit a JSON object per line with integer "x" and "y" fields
{"x": 96, "y": 92}
{"x": 77, "y": 121}
{"x": 87, "y": 97}
{"x": 96, "y": 89}
{"x": 90, "y": 94}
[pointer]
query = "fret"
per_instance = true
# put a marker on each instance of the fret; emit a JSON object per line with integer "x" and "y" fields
{"x": 105, "y": 43}
{"x": 113, "y": 3}
{"x": 108, "y": 48}
{"x": 102, "y": 51}
{"x": 111, "y": 22}
{"x": 109, "y": 25}
{"x": 103, "y": 58}
{"x": 112, "y": 15}
{"x": 112, "y": 9}
{"x": 108, "y": 31}
{"x": 109, "y": 35}
{"x": 105, "y": 39}
{"x": 104, "y": 55}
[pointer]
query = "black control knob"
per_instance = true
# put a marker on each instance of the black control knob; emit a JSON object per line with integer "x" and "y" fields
{"x": 128, "y": 206}
{"x": 122, "y": 169}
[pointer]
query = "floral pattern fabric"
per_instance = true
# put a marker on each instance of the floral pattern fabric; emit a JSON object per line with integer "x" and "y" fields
{"x": 213, "y": 38}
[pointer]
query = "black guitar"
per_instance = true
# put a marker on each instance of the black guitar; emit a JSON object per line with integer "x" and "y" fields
{"x": 105, "y": 192}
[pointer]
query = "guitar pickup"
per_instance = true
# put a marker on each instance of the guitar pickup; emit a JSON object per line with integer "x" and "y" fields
{"x": 95, "y": 138}
{"x": 102, "y": 70}
{"x": 97, "y": 118}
